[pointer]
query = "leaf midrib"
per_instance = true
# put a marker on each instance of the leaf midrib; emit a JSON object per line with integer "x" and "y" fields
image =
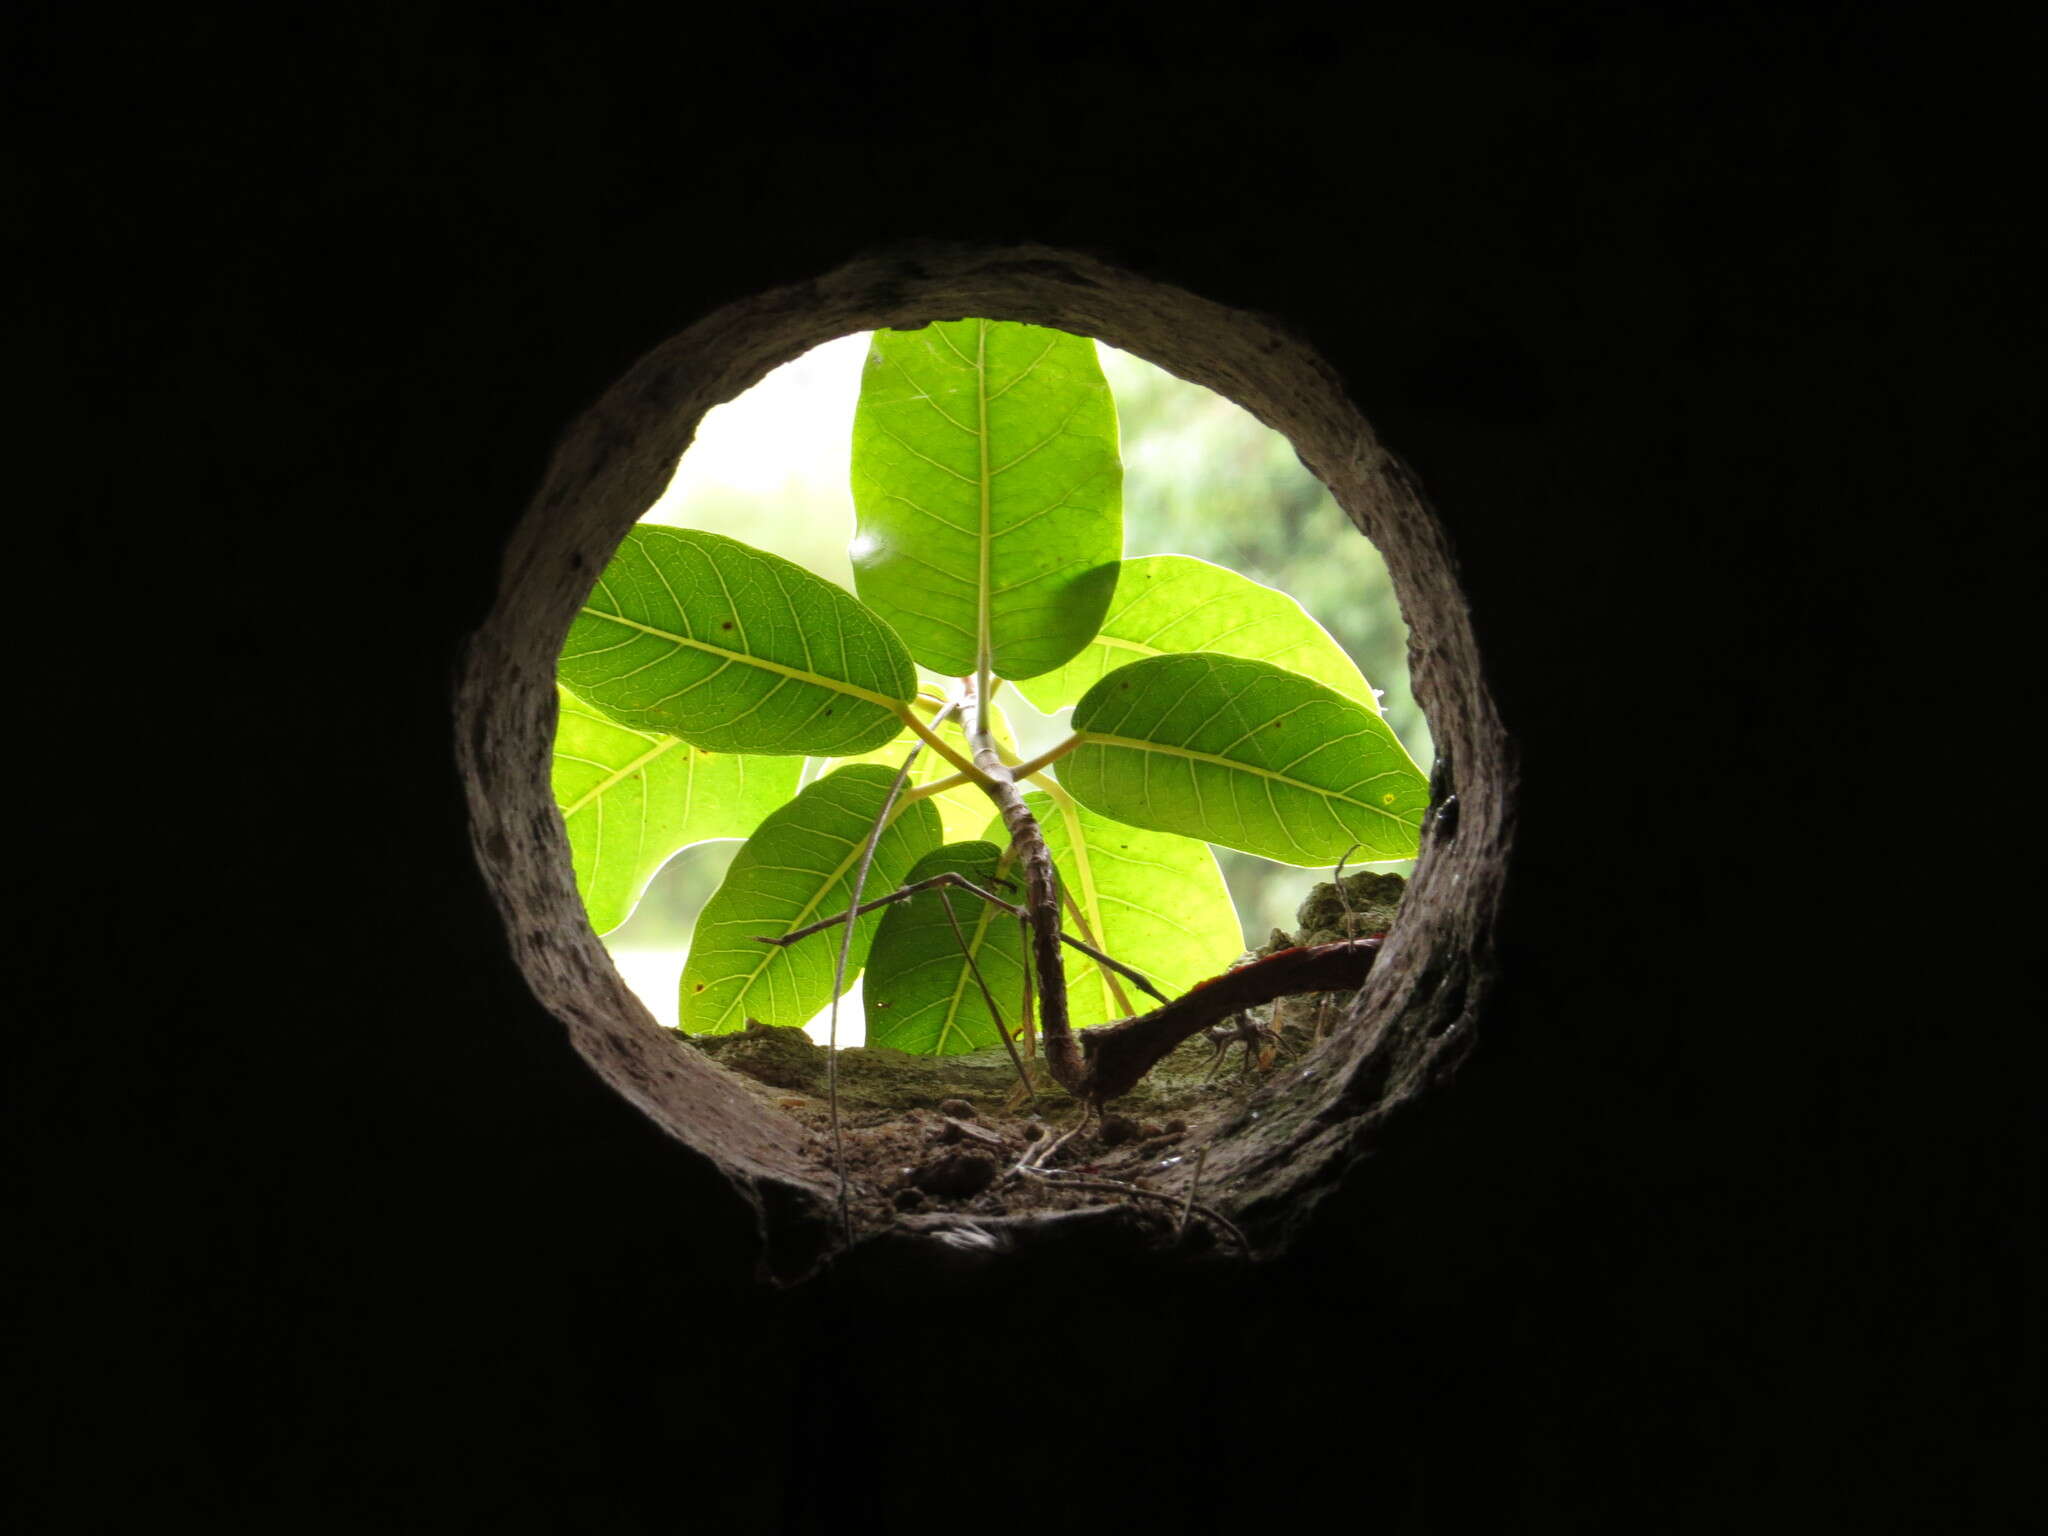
{"x": 831, "y": 882}
{"x": 984, "y": 599}
{"x": 621, "y": 775}
{"x": 1091, "y": 899}
{"x": 1095, "y": 738}
{"x": 852, "y": 690}
{"x": 949, "y": 1022}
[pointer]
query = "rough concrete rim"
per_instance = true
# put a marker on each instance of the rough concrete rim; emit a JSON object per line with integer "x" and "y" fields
{"x": 1407, "y": 1028}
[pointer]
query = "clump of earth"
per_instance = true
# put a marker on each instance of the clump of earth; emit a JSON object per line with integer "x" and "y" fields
{"x": 933, "y": 1133}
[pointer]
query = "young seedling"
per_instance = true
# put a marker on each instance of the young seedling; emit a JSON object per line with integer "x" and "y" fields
{"x": 710, "y": 689}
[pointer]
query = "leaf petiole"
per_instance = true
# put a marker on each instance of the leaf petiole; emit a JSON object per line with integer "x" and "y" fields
{"x": 1046, "y": 758}
{"x": 931, "y": 739}
{"x": 939, "y": 787}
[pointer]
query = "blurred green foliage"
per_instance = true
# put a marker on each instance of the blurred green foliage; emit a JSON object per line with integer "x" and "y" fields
{"x": 1201, "y": 477}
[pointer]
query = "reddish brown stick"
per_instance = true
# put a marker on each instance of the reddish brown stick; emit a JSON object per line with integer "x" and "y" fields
{"x": 1116, "y": 1056}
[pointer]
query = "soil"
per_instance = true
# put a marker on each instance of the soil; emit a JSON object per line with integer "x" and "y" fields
{"x": 926, "y": 1134}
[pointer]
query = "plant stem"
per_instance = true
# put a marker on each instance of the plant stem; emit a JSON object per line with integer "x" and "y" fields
{"x": 926, "y": 791}
{"x": 860, "y": 878}
{"x": 930, "y": 737}
{"x": 1041, "y": 903}
{"x": 950, "y": 880}
{"x": 1046, "y": 758}
{"x": 988, "y": 997}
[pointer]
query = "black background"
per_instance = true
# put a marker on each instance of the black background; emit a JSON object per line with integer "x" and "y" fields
{"x": 1710, "y": 339}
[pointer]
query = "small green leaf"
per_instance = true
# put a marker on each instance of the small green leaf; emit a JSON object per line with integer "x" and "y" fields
{"x": 1152, "y": 900}
{"x": 963, "y": 809}
{"x": 989, "y": 493}
{"x": 631, "y": 800}
{"x": 798, "y": 867}
{"x": 920, "y": 993}
{"x": 1176, "y": 603}
{"x": 1245, "y": 754}
{"x": 733, "y": 649}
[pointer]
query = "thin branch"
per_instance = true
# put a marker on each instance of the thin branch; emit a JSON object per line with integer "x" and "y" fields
{"x": 988, "y": 997}
{"x": 860, "y": 877}
{"x": 1080, "y": 918}
{"x": 1026, "y": 1014}
{"x": 1061, "y": 1179}
{"x": 947, "y": 878}
{"x": 951, "y": 880}
{"x": 1036, "y": 1155}
{"x": 1128, "y": 972}
{"x": 1337, "y": 884}
{"x": 1194, "y": 1183}
{"x": 1041, "y": 900}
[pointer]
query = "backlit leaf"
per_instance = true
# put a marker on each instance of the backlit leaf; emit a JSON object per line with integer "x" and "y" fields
{"x": 632, "y": 799}
{"x": 920, "y": 992}
{"x": 963, "y": 809}
{"x": 1175, "y": 603}
{"x": 1248, "y": 755}
{"x": 989, "y": 493}
{"x": 696, "y": 635}
{"x": 798, "y": 867}
{"x": 1155, "y": 901}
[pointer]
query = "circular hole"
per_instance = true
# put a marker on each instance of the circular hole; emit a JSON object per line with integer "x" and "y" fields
{"x": 613, "y": 467}
{"x": 1203, "y": 479}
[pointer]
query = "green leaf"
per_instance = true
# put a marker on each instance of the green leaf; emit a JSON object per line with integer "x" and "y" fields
{"x": 963, "y": 809}
{"x": 920, "y": 993}
{"x": 1175, "y": 603}
{"x": 1245, "y": 754}
{"x": 733, "y": 649}
{"x": 633, "y": 799}
{"x": 989, "y": 493}
{"x": 798, "y": 867}
{"x": 1153, "y": 900}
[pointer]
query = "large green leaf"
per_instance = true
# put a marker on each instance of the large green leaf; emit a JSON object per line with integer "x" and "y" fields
{"x": 1152, "y": 900}
{"x": 632, "y": 799}
{"x": 798, "y": 867}
{"x": 989, "y": 493}
{"x": 1248, "y": 755}
{"x": 963, "y": 809}
{"x": 733, "y": 649}
{"x": 1172, "y": 603}
{"x": 920, "y": 993}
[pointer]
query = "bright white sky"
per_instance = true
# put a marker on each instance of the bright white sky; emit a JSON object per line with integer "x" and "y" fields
{"x": 791, "y": 429}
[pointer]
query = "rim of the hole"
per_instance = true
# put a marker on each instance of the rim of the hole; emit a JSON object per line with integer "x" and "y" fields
{"x": 615, "y": 461}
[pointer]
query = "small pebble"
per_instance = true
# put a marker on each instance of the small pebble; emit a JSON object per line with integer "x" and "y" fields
{"x": 956, "y": 1175}
{"x": 1115, "y": 1130}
